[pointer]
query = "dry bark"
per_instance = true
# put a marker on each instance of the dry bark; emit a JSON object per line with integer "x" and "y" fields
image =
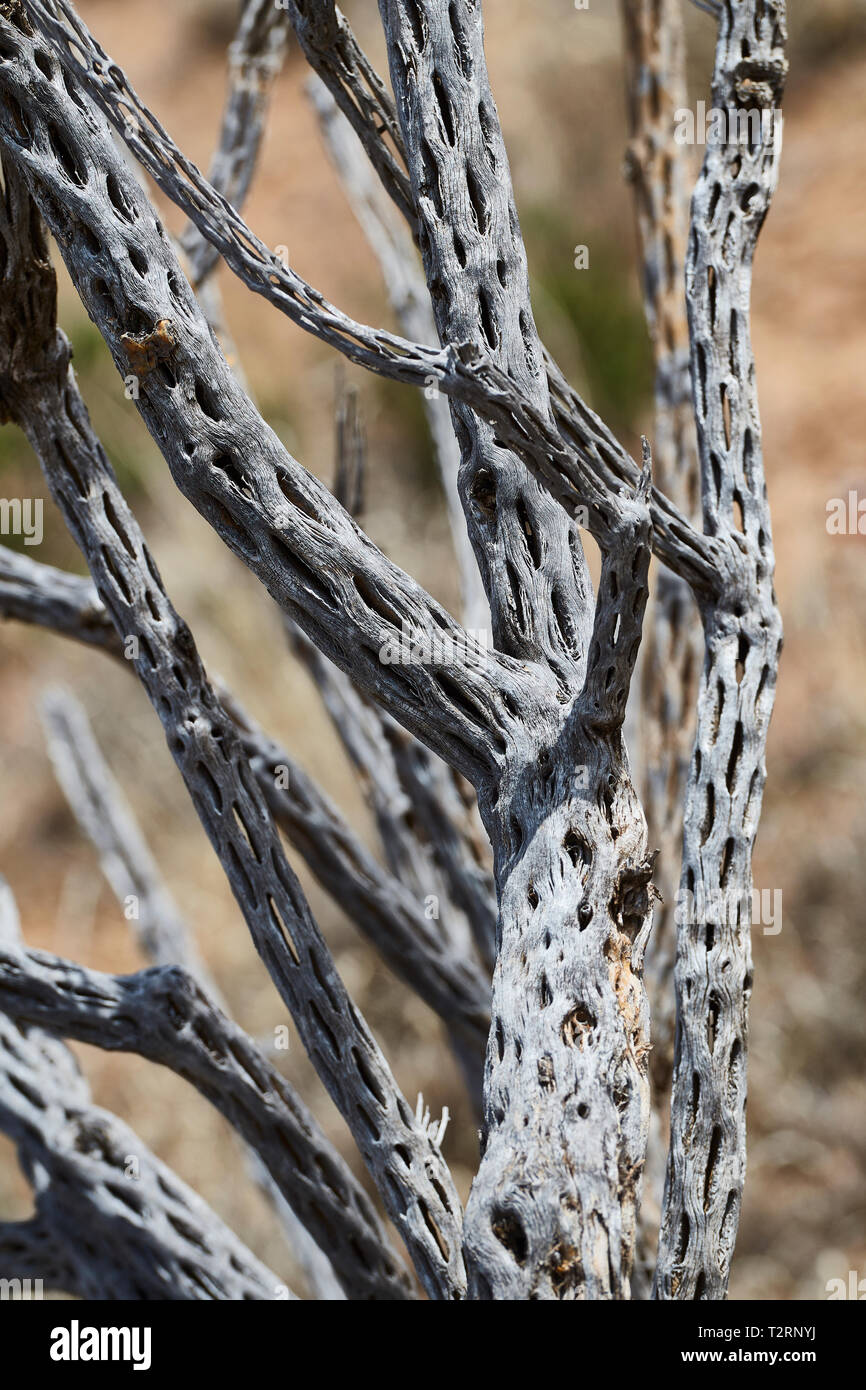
{"x": 743, "y": 636}
{"x": 41, "y": 395}
{"x": 535, "y": 725}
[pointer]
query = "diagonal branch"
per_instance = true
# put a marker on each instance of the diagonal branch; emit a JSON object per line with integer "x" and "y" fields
{"x": 255, "y": 58}
{"x": 578, "y": 460}
{"x": 43, "y": 398}
{"x": 280, "y": 520}
{"x": 146, "y": 1234}
{"x": 378, "y": 904}
{"x": 163, "y": 1015}
{"x": 449, "y": 982}
{"x": 164, "y": 938}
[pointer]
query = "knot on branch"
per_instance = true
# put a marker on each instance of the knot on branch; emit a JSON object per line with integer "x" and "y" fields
{"x": 175, "y": 990}
{"x": 467, "y": 354}
{"x": 760, "y": 82}
{"x": 634, "y": 895}
{"x": 93, "y": 1137}
{"x": 14, "y": 11}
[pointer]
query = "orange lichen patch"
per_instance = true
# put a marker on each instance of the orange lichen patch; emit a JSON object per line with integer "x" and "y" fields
{"x": 146, "y": 353}
{"x": 627, "y": 988}
{"x": 566, "y": 1270}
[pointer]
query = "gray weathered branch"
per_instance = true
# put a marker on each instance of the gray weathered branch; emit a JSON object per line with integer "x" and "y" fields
{"x": 743, "y": 638}
{"x": 577, "y": 458}
{"x": 41, "y": 395}
{"x": 392, "y": 245}
{"x": 552, "y": 1208}
{"x": 163, "y": 1015}
{"x": 255, "y": 58}
{"x": 279, "y": 519}
{"x": 112, "y": 1221}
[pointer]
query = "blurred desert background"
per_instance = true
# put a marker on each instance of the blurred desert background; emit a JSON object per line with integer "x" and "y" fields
{"x": 557, "y": 76}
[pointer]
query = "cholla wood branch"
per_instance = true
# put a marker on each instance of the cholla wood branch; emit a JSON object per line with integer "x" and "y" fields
{"x": 163, "y": 1015}
{"x": 535, "y": 725}
{"x": 112, "y": 1221}
{"x": 43, "y": 397}
{"x": 579, "y": 459}
{"x": 743, "y": 635}
{"x": 392, "y": 919}
{"x": 164, "y": 937}
{"x": 255, "y": 58}
{"x": 658, "y": 168}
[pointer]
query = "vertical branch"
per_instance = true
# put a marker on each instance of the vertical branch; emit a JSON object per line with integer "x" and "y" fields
{"x": 706, "y": 1166}
{"x": 528, "y": 550}
{"x": 255, "y": 58}
{"x": 392, "y": 245}
{"x": 671, "y": 658}
{"x": 552, "y": 1211}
